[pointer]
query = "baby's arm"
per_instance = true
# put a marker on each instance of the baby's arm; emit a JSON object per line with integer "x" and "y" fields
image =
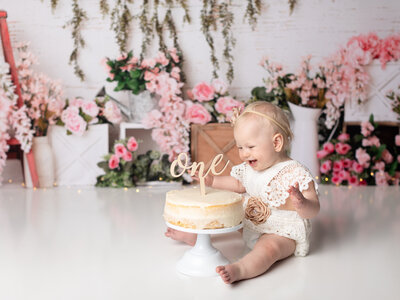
{"x": 223, "y": 182}
{"x": 306, "y": 203}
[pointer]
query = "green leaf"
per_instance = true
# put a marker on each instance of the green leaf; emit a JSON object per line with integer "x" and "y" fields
{"x": 133, "y": 85}
{"x": 380, "y": 151}
{"x": 120, "y": 86}
{"x": 393, "y": 168}
{"x": 103, "y": 165}
{"x": 135, "y": 74}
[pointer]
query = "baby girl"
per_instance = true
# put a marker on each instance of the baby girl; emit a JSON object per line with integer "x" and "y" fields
{"x": 281, "y": 194}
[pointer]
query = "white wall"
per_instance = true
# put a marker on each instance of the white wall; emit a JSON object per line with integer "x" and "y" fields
{"x": 316, "y": 27}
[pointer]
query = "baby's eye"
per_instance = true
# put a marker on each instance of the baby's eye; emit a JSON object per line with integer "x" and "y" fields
{"x": 251, "y": 147}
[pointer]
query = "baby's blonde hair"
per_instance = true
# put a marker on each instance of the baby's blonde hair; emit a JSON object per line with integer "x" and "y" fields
{"x": 270, "y": 114}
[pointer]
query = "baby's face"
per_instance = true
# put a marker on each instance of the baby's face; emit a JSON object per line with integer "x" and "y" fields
{"x": 254, "y": 140}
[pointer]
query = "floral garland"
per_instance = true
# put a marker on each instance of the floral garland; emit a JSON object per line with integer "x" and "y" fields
{"x": 8, "y": 99}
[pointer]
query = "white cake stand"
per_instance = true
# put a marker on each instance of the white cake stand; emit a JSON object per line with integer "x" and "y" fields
{"x": 203, "y": 258}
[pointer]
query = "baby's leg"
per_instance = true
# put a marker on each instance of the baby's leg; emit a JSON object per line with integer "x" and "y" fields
{"x": 268, "y": 249}
{"x": 186, "y": 237}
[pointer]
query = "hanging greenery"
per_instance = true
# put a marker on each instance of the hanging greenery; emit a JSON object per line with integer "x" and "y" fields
{"x": 292, "y": 4}
{"x": 104, "y": 8}
{"x": 226, "y": 19}
{"x": 253, "y": 11}
{"x": 121, "y": 19}
{"x": 79, "y": 16}
{"x": 209, "y": 20}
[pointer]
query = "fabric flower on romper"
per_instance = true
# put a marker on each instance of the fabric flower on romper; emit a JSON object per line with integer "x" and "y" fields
{"x": 257, "y": 211}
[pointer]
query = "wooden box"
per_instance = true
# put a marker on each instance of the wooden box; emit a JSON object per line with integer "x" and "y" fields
{"x": 211, "y": 139}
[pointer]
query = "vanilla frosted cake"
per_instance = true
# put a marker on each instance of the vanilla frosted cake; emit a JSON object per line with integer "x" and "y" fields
{"x": 217, "y": 209}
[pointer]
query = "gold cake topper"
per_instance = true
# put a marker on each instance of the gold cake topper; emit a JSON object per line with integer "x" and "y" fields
{"x": 182, "y": 161}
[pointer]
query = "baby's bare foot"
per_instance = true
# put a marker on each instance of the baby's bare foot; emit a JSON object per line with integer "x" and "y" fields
{"x": 186, "y": 237}
{"x": 229, "y": 273}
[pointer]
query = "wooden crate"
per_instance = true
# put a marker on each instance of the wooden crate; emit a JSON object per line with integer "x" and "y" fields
{"x": 211, "y": 139}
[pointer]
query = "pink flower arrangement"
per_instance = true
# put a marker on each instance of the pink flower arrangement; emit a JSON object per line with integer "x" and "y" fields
{"x": 118, "y": 165}
{"x": 372, "y": 163}
{"x": 78, "y": 114}
{"x": 212, "y": 103}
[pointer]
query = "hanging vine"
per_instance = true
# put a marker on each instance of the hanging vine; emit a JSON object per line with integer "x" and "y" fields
{"x": 121, "y": 19}
{"x": 292, "y": 4}
{"x": 104, "y": 8}
{"x": 209, "y": 19}
{"x": 253, "y": 11}
{"x": 79, "y": 16}
{"x": 226, "y": 19}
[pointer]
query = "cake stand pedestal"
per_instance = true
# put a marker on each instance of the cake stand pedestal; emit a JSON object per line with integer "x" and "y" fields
{"x": 203, "y": 258}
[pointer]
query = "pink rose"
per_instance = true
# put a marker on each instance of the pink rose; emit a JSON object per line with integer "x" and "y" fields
{"x": 219, "y": 86}
{"x": 73, "y": 121}
{"x": 338, "y": 166}
{"x": 132, "y": 144}
{"x": 326, "y": 167}
{"x": 344, "y": 137}
{"x": 203, "y": 92}
{"x": 225, "y": 106}
{"x": 328, "y": 147}
{"x": 174, "y": 55}
{"x": 342, "y": 148}
{"x": 112, "y": 112}
{"x": 353, "y": 180}
{"x": 357, "y": 167}
{"x": 344, "y": 175}
{"x": 119, "y": 150}
{"x": 148, "y": 63}
{"x": 321, "y": 154}
{"x": 77, "y": 102}
{"x": 379, "y": 166}
{"x": 162, "y": 59}
{"x": 336, "y": 180}
{"x": 197, "y": 114}
{"x": 363, "y": 157}
{"x": 366, "y": 128}
{"x": 387, "y": 157}
{"x": 397, "y": 140}
{"x": 127, "y": 156}
{"x": 381, "y": 178}
{"x": 113, "y": 162}
{"x": 90, "y": 108}
{"x": 347, "y": 163}
{"x": 371, "y": 141}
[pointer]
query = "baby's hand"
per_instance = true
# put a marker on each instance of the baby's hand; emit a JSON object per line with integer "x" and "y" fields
{"x": 296, "y": 196}
{"x": 208, "y": 180}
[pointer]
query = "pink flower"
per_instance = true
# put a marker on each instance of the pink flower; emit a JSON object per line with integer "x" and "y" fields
{"x": 363, "y": 157}
{"x": 321, "y": 154}
{"x": 197, "y": 114}
{"x": 90, "y": 108}
{"x": 387, "y": 157}
{"x": 338, "y": 166}
{"x": 342, "y": 148}
{"x": 347, "y": 163}
{"x": 379, "y": 166}
{"x": 328, "y": 147}
{"x": 336, "y": 180}
{"x": 353, "y": 180}
{"x": 397, "y": 140}
{"x": 73, "y": 121}
{"x": 113, "y": 162}
{"x": 326, "y": 167}
{"x": 344, "y": 137}
{"x": 344, "y": 175}
{"x": 357, "y": 167}
{"x": 119, "y": 150}
{"x": 174, "y": 55}
{"x": 371, "y": 141}
{"x": 190, "y": 95}
{"x": 127, "y": 156}
{"x": 366, "y": 128}
{"x": 77, "y": 102}
{"x": 112, "y": 112}
{"x": 162, "y": 59}
{"x": 148, "y": 63}
{"x": 219, "y": 86}
{"x": 132, "y": 144}
{"x": 225, "y": 105}
{"x": 381, "y": 178}
{"x": 203, "y": 92}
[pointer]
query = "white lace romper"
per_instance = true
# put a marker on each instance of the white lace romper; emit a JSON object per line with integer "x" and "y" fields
{"x": 271, "y": 187}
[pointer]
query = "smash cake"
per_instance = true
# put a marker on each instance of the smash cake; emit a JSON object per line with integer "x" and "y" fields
{"x": 216, "y": 209}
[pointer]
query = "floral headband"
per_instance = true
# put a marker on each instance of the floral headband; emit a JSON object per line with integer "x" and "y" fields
{"x": 237, "y": 114}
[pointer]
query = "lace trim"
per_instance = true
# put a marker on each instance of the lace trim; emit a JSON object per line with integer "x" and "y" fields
{"x": 237, "y": 172}
{"x": 275, "y": 193}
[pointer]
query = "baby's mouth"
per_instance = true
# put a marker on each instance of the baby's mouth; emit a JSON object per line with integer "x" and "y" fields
{"x": 252, "y": 162}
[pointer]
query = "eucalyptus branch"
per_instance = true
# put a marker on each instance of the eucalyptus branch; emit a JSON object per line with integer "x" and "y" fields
{"x": 54, "y": 4}
{"x": 253, "y": 11}
{"x": 292, "y": 4}
{"x": 226, "y": 19}
{"x": 186, "y": 16}
{"x": 104, "y": 8}
{"x": 79, "y": 16}
{"x": 120, "y": 22}
{"x": 208, "y": 20}
{"x": 158, "y": 27}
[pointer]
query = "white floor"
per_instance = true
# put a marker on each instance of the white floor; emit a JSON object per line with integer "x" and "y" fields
{"x": 95, "y": 243}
